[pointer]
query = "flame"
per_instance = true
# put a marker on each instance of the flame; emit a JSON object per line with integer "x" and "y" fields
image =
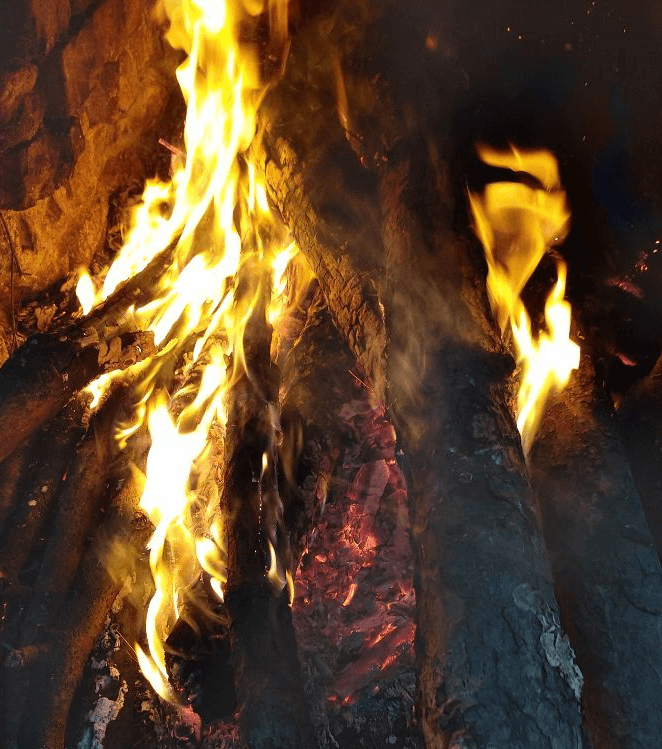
{"x": 85, "y": 290}
{"x": 517, "y": 224}
{"x": 192, "y": 236}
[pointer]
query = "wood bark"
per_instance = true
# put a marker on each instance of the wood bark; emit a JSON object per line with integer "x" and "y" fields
{"x": 77, "y": 508}
{"x": 490, "y": 641}
{"x": 40, "y": 484}
{"x": 640, "y": 420}
{"x": 607, "y": 575}
{"x": 329, "y": 204}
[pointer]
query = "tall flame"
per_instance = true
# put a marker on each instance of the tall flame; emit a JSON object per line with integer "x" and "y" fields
{"x": 517, "y": 223}
{"x": 210, "y": 219}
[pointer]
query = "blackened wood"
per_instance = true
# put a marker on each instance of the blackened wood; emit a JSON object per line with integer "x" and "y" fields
{"x": 494, "y": 667}
{"x": 272, "y": 709}
{"x": 50, "y": 679}
{"x": 606, "y": 571}
{"x": 486, "y": 607}
{"x": 50, "y": 455}
{"x": 640, "y": 420}
{"x": 42, "y": 375}
{"x": 335, "y": 225}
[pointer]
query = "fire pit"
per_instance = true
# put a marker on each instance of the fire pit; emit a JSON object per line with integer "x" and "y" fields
{"x": 330, "y": 399}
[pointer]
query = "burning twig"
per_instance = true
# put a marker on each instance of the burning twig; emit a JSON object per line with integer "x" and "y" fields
{"x": 607, "y": 575}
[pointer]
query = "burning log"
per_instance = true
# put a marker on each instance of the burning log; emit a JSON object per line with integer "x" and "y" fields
{"x": 607, "y": 575}
{"x": 272, "y": 710}
{"x": 640, "y": 421}
{"x": 486, "y": 607}
{"x": 41, "y": 376}
{"x": 483, "y": 578}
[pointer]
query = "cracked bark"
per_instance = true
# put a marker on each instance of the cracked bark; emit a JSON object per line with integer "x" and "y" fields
{"x": 640, "y": 421}
{"x": 490, "y": 645}
{"x": 607, "y": 575}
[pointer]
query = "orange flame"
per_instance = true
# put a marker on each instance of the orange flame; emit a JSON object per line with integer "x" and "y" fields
{"x": 214, "y": 216}
{"x": 517, "y": 224}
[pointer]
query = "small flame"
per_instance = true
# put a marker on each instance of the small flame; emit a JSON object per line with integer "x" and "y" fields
{"x": 275, "y": 574}
{"x": 85, "y": 291}
{"x": 517, "y": 224}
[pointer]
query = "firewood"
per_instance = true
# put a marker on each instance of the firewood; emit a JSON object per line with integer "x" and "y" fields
{"x": 77, "y": 504}
{"x": 325, "y": 202}
{"x": 11, "y": 475}
{"x": 640, "y": 420}
{"x": 42, "y": 375}
{"x": 272, "y": 710}
{"x": 607, "y": 575}
{"x": 485, "y": 602}
{"x": 50, "y": 678}
{"x": 50, "y": 454}
{"x": 482, "y": 570}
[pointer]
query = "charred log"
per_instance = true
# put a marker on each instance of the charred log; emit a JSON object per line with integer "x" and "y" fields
{"x": 336, "y": 227}
{"x": 640, "y": 421}
{"x": 78, "y": 505}
{"x": 483, "y": 580}
{"x": 50, "y": 454}
{"x": 486, "y": 606}
{"x": 272, "y": 711}
{"x": 607, "y": 575}
{"x": 317, "y": 380}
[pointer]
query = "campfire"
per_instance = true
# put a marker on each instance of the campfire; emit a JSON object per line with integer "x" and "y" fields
{"x": 330, "y": 399}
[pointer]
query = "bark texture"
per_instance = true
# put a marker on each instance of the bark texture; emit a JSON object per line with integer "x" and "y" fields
{"x": 46, "y": 672}
{"x": 640, "y": 421}
{"x": 490, "y": 644}
{"x": 607, "y": 575}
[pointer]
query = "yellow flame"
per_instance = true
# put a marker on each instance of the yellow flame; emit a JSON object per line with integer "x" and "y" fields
{"x": 85, "y": 291}
{"x": 275, "y": 574}
{"x": 209, "y": 220}
{"x": 517, "y": 224}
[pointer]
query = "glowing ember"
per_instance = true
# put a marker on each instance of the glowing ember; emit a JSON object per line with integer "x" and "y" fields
{"x": 517, "y": 224}
{"x": 196, "y": 231}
